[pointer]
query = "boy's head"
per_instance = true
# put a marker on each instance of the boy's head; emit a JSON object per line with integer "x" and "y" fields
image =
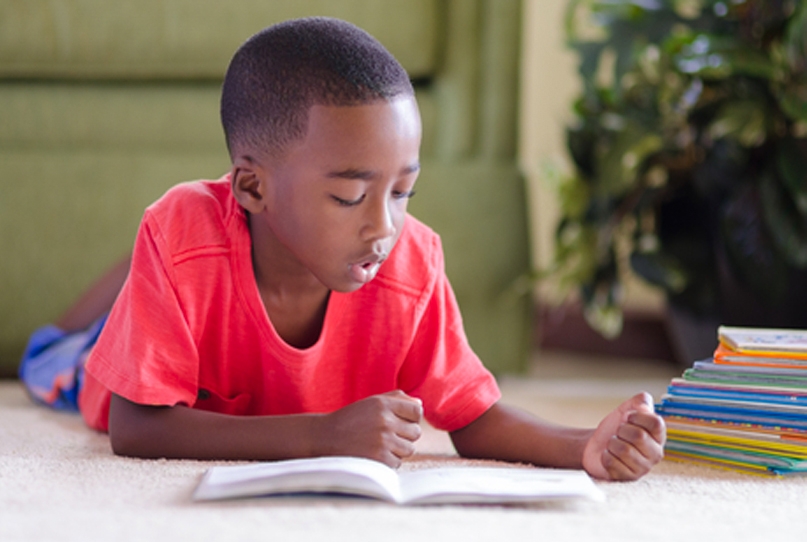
{"x": 324, "y": 133}
{"x": 279, "y": 73}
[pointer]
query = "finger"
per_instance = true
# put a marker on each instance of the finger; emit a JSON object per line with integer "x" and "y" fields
{"x": 623, "y": 461}
{"x": 616, "y": 469}
{"x": 410, "y": 431}
{"x": 402, "y": 448}
{"x": 650, "y": 451}
{"x": 642, "y": 402}
{"x": 389, "y": 459}
{"x": 626, "y": 453}
{"x": 407, "y": 408}
{"x": 640, "y": 439}
{"x": 652, "y": 423}
{"x": 636, "y": 449}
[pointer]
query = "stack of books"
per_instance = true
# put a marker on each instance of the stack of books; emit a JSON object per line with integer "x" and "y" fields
{"x": 745, "y": 409}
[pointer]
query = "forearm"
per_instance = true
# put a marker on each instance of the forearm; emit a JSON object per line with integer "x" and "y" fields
{"x": 509, "y": 434}
{"x": 181, "y": 432}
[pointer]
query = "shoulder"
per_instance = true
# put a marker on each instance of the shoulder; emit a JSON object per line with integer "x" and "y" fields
{"x": 192, "y": 201}
{"x": 416, "y": 260}
{"x": 194, "y": 214}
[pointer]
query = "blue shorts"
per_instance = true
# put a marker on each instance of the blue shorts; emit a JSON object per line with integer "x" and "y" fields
{"x": 52, "y": 366}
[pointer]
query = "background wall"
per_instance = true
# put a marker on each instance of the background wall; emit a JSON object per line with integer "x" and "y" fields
{"x": 549, "y": 84}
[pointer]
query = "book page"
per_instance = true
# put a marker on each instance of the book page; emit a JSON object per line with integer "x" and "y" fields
{"x": 494, "y": 485}
{"x": 346, "y": 475}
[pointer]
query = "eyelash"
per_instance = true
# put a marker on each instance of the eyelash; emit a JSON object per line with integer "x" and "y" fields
{"x": 351, "y": 203}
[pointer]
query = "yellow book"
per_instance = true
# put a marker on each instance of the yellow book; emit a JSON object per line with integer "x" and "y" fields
{"x": 796, "y": 451}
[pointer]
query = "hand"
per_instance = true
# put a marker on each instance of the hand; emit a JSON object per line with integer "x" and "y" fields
{"x": 627, "y": 443}
{"x": 382, "y": 427}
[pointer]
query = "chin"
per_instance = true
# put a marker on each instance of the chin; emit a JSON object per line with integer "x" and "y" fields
{"x": 349, "y": 288}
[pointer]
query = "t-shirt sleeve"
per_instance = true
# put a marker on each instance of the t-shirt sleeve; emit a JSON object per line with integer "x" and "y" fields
{"x": 146, "y": 353}
{"x": 441, "y": 368}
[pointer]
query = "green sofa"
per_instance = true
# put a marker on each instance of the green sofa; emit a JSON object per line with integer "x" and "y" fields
{"x": 106, "y": 104}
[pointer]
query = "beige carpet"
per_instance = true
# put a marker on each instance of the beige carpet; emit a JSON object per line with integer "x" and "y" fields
{"x": 59, "y": 481}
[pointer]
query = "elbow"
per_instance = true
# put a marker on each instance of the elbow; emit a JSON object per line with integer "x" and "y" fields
{"x": 466, "y": 447}
{"x": 469, "y": 442}
{"x": 121, "y": 444}
{"x": 126, "y": 442}
{"x": 131, "y": 428}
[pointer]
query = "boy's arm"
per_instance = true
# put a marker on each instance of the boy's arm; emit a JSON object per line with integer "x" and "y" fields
{"x": 383, "y": 427}
{"x": 625, "y": 445}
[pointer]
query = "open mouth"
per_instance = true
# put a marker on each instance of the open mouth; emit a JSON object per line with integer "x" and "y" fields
{"x": 365, "y": 271}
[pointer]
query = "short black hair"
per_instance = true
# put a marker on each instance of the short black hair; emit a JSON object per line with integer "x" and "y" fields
{"x": 279, "y": 73}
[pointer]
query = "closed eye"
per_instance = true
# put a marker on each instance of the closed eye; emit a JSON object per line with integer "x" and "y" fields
{"x": 348, "y": 202}
{"x": 403, "y": 195}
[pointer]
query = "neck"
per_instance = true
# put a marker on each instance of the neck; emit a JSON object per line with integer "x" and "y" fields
{"x": 294, "y": 299}
{"x": 277, "y": 270}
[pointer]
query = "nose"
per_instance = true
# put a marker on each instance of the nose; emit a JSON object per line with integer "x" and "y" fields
{"x": 379, "y": 223}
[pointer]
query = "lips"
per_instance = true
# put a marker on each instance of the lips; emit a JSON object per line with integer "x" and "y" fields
{"x": 364, "y": 270}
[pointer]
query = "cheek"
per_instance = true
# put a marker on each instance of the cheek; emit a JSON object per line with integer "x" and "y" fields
{"x": 399, "y": 213}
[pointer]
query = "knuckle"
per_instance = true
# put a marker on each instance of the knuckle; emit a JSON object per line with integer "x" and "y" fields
{"x": 629, "y": 432}
{"x": 655, "y": 424}
{"x": 618, "y": 447}
{"x": 378, "y": 402}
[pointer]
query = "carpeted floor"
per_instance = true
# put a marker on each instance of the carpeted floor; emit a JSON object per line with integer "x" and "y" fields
{"x": 59, "y": 481}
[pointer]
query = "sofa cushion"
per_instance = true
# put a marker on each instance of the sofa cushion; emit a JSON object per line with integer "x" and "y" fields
{"x": 194, "y": 39}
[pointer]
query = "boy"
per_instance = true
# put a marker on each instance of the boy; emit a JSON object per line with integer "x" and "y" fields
{"x": 293, "y": 308}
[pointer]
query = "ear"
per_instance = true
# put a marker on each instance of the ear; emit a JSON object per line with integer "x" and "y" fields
{"x": 248, "y": 183}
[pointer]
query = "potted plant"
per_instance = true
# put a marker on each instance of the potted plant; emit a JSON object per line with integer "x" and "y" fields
{"x": 690, "y": 159}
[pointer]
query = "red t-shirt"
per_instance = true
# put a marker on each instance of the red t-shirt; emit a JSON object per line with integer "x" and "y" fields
{"x": 189, "y": 327}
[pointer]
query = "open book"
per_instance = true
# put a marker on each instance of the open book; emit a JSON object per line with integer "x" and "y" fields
{"x": 366, "y": 478}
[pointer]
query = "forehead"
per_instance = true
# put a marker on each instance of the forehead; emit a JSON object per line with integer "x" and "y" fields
{"x": 396, "y": 118}
{"x": 379, "y": 135}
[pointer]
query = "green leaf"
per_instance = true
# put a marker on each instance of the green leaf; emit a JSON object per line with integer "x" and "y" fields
{"x": 688, "y": 9}
{"x": 581, "y": 141}
{"x": 620, "y": 163}
{"x": 575, "y": 253}
{"x": 791, "y": 162}
{"x": 605, "y": 319}
{"x": 793, "y": 100}
{"x": 662, "y": 271}
{"x": 574, "y": 198}
{"x": 603, "y": 301}
{"x": 589, "y": 54}
{"x": 719, "y": 57}
{"x": 743, "y": 121}
{"x": 795, "y": 40}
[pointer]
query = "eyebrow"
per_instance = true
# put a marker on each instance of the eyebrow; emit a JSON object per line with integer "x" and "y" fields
{"x": 367, "y": 174}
